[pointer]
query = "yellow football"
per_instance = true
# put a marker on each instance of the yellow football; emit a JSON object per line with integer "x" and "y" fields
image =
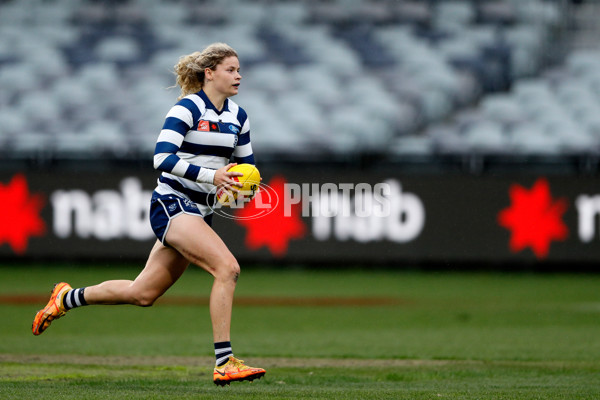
{"x": 250, "y": 181}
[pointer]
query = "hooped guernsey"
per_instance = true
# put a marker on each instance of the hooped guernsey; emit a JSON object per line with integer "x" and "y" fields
{"x": 195, "y": 141}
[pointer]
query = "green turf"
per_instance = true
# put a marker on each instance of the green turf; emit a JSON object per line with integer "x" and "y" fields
{"x": 501, "y": 336}
{"x": 455, "y": 381}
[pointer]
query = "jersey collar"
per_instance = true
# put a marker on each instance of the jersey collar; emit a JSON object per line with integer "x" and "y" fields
{"x": 210, "y": 105}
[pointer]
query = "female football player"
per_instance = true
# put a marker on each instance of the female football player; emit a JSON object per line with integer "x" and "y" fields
{"x": 201, "y": 133}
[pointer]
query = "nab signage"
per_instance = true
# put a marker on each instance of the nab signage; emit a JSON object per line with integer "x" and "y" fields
{"x": 338, "y": 215}
{"x": 105, "y": 214}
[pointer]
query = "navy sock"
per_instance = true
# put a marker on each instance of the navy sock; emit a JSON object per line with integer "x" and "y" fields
{"x": 74, "y": 298}
{"x": 222, "y": 352}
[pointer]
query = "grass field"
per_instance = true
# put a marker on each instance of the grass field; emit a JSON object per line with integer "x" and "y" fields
{"x": 352, "y": 334}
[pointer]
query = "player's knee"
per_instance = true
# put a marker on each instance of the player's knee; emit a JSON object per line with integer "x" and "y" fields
{"x": 144, "y": 299}
{"x": 228, "y": 270}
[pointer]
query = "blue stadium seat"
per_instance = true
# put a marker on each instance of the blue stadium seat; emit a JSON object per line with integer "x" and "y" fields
{"x": 486, "y": 137}
{"x": 530, "y": 138}
{"x": 403, "y": 66}
{"x": 412, "y": 145}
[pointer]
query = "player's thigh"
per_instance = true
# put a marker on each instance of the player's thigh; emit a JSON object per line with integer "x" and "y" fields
{"x": 200, "y": 244}
{"x": 163, "y": 268}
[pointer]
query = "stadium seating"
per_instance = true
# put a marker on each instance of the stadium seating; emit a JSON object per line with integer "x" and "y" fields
{"x": 555, "y": 113}
{"x": 320, "y": 77}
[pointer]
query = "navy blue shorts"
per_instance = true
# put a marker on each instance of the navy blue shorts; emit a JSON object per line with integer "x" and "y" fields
{"x": 165, "y": 207}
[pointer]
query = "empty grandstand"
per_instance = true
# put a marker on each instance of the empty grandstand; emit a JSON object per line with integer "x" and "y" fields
{"x": 474, "y": 82}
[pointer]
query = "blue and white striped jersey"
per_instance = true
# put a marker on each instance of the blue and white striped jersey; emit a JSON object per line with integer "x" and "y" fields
{"x": 195, "y": 141}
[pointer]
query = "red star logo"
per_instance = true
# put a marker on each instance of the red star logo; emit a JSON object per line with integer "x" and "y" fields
{"x": 534, "y": 218}
{"x": 273, "y": 230}
{"x": 19, "y": 214}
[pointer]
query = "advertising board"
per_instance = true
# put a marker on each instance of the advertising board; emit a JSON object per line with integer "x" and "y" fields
{"x": 326, "y": 215}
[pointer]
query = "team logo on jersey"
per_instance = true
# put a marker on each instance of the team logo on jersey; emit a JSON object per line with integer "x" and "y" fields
{"x": 203, "y": 126}
{"x": 207, "y": 126}
{"x": 234, "y": 128}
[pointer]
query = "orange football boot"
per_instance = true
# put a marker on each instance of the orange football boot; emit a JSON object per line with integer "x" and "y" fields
{"x": 235, "y": 370}
{"x": 53, "y": 310}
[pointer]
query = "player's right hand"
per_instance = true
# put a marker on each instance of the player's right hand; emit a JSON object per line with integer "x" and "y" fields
{"x": 224, "y": 179}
